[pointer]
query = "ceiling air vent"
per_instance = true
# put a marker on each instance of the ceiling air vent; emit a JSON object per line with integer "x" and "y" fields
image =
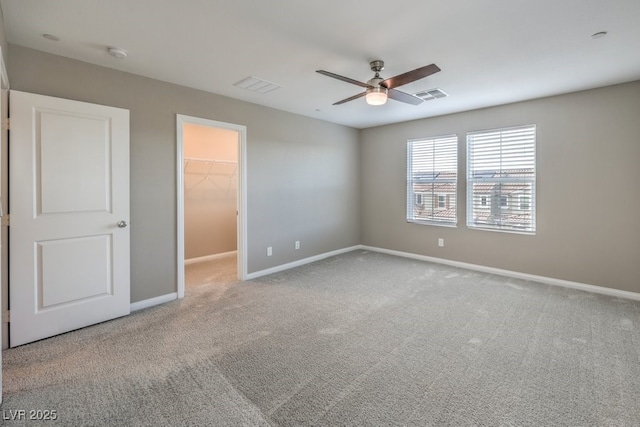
{"x": 255, "y": 84}
{"x": 428, "y": 95}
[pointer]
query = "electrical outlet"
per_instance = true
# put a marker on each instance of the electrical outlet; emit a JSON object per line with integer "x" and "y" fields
{"x": 441, "y": 243}
{"x": 297, "y": 244}
{"x": 269, "y": 251}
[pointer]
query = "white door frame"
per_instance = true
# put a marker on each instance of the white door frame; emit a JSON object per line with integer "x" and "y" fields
{"x": 4, "y": 175}
{"x": 241, "y": 199}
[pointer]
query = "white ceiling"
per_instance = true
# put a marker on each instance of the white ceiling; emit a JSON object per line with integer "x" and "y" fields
{"x": 490, "y": 51}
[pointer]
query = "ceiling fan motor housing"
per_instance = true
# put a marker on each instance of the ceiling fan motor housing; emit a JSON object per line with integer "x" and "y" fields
{"x": 375, "y": 82}
{"x": 376, "y": 67}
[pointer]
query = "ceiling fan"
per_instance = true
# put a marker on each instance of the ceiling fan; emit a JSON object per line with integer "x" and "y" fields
{"x": 378, "y": 89}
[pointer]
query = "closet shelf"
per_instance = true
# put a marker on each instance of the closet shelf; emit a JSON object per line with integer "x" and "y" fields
{"x": 197, "y": 159}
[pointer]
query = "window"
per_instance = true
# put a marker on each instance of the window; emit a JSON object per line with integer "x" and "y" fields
{"x": 504, "y": 201}
{"x": 432, "y": 173}
{"x": 501, "y": 179}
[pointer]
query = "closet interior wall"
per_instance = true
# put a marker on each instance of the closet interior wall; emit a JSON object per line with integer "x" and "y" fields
{"x": 210, "y": 190}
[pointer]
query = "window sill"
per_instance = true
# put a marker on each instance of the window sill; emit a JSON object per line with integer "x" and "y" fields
{"x": 498, "y": 230}
{"x": 437, "y": 224}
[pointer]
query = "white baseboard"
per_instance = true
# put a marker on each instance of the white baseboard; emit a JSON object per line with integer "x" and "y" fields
{"x": 300, "y": 262}
{"x": 209, "y": 257}
{"x": 508, "y": 273}
{"x": 139, "y": 305}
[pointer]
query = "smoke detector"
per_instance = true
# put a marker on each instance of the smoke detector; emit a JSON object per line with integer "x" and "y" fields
{"x": 51, "y": 37}
{"x": 117, "y": 52}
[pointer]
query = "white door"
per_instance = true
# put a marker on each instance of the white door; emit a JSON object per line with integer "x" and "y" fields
{"x": 69, "y": 202}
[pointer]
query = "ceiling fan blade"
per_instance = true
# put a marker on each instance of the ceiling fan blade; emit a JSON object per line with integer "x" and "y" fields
{"x": 410, "y": 76}
{"x": 403, "y": 97}
{"x": 344, "y": 79}
{"x": 351, "y": 98}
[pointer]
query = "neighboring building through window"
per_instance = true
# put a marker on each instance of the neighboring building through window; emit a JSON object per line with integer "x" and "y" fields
{"x": 501, "y": 179}
{"x": 432, "y": 174}
{"x": 504, "y": 201}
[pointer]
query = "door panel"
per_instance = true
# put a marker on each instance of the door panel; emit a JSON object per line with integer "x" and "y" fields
{"x": 83, "y": 142}
{"x": 72, "y": 270}
{"x": 69, "y": 188}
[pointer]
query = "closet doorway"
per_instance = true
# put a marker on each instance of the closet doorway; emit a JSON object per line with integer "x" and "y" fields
{"x": 211, "y": 201}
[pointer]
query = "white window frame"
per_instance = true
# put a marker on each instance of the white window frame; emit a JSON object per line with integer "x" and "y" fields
{"x": 496, "y": 145}
{"x": 449, "y": 153}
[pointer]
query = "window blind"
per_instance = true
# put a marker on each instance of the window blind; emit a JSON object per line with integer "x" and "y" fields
{"x": 432, "y": 173}
{"x": 501, "y": 179}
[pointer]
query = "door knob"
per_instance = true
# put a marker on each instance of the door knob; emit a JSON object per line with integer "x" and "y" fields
{"x": 122, "y": 224}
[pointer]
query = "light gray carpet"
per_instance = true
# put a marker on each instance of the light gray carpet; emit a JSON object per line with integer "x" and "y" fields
{"x": 358, "y": 339}
{"x": 218, "y": 271}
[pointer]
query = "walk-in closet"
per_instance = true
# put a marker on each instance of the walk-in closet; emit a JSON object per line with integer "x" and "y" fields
{"x": 210, "y": 168}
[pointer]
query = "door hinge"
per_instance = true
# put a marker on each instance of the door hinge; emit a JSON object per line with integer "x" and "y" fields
{"x": 6, "y": 316}
{"x": 6, "y": 124}
{"x": 5, "y": 219}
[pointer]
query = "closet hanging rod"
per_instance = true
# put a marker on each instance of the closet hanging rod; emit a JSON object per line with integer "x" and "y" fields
{"x": 197, "y": 159}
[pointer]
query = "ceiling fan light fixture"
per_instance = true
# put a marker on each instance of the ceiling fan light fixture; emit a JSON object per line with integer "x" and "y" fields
{"x": 376, "y": 95}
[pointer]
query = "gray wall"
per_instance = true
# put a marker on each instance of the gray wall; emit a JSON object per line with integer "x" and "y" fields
{"x": 313, "y": 181}
{"x": 3, "y": 37}
{"x": 302, "y": 174}
{"x": 588, "y": 200}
